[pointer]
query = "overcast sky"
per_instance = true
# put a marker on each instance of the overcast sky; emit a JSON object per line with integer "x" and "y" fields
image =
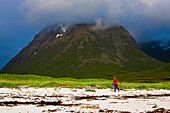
{"x": 20, "y": 20}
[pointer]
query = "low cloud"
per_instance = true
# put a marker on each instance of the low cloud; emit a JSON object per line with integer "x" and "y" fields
{"x": 130, "y": 13}
{"x": 72, "y": 11}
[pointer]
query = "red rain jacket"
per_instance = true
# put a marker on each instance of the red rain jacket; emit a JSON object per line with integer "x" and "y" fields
{"x": 115, "y": 81}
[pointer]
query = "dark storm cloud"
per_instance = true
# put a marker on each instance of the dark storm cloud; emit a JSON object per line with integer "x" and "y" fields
{"x": 118, "y": 11}
{"x": 138, "y": 16}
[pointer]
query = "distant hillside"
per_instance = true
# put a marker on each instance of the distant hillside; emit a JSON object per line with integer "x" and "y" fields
{"x": 81, "y": 51}
{"x": 155, "y": 75}
{"x": 157, "y": 49}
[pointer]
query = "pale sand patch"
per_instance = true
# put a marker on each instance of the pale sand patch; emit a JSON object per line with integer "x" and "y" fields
{"x": 80, "y": 101}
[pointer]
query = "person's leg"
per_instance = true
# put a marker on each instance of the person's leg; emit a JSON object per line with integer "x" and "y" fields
{"x": 115, "y": 87}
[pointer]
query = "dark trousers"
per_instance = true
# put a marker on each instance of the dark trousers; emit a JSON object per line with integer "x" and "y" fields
{"x": 116, "y": 87}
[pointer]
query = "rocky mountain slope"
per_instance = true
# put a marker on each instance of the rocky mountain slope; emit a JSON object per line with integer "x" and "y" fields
{"x": 81, "y": 51}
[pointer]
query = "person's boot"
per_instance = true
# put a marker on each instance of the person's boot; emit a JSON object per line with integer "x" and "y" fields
{"x": 118, "y": 90}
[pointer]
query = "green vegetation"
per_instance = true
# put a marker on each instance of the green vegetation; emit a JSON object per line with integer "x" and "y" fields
{"x": 90, "y": 91}
{"x": 12, "y": 80}
{"x": 155, "y": 75}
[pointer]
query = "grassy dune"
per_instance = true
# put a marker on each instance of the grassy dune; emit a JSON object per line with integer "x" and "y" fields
{"x": 12, "y": 80}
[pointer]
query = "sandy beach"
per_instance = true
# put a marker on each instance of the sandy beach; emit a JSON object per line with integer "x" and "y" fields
{"x": 60, "y": 100}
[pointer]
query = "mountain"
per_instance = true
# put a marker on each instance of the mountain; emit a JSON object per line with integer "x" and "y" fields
{"x": 80, "y": 51}
{"x": 157, "y": 49}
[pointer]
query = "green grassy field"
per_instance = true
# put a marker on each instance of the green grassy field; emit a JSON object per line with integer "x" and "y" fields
{"x": 12, "y": 80}
{"x": 152, "y": 76}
